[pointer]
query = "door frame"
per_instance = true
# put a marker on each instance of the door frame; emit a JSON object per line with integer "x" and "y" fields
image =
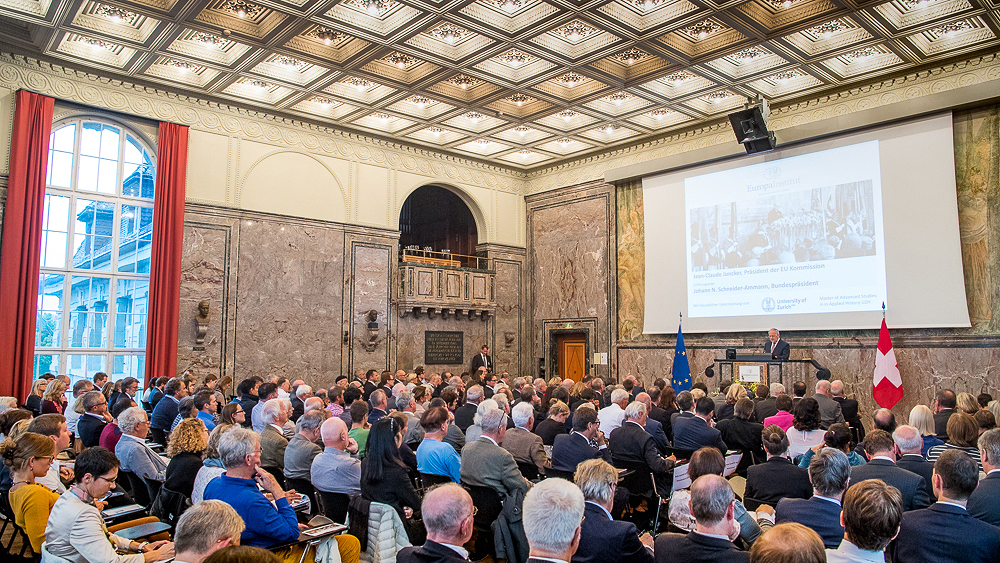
{"x": 554, "y": 349}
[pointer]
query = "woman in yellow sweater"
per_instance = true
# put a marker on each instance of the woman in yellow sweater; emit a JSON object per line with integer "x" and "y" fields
{"x": 29, "y": 457}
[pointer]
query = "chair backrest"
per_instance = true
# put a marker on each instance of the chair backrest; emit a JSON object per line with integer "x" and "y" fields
{"x": 489, "y": 503}
{"x": 303, "y": 487}
{"x": 637, "y": 479}
{"x": 140, "y": 492}
{"x": 279, "y": 475}
{"x": 528, "y": 470}
{"x": 430, "y": 480}
{"x": 552, "y": 473}
{"x": 335, "y": 505}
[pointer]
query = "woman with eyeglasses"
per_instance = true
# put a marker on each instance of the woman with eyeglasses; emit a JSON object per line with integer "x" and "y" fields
{"x": 76, "y": 530}
{"x": 30, "y": 457}
{"x": 233, "y": 413}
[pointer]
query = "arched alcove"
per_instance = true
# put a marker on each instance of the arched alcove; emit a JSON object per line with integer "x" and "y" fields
{"x": 437, "y": 217}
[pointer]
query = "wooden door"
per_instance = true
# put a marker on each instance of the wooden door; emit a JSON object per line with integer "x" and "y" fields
{"x": 572, "y": 356}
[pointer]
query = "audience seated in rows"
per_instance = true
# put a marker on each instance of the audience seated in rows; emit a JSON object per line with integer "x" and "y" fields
{"x": 434, "y": 457}
{"x": 522, "y": 443}
{"x": 963, "y": 432}
{"x": 805, "y": 431}
{"x": 133, "y": 452}
{"x": 486, "y": 464}
{"x": 881, "y": 451}
{"x": 830, "y": 474}
{"x": 838, "y": 437}
{"x": 694, "y": 432}
{"x": 29, "y": 458}
{"x": 778, "y": 477}
{"x": 713, "y": 505}
{"x": 872, "y": 511}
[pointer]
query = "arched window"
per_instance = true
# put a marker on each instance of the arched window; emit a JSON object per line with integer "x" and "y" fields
{"x": 93, "y": 289}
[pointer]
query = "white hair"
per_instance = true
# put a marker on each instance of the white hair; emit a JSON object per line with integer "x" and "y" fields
{"x": 777, "y": 389}
{"x": 474, "y": 393}
{"x": 522, "y": 413}
{"x": 235, "y": 445}
{"x": 483, "y": 408}
{"x": 635, "y": 410}
{"x": 303, "y": 390}
{"x": 272, "y": 409}
{"x": 908, "y": 439}
{"x": 493, "y": 419}
{"x": 312, "y": 403}
{"x": 552, "y": 513}
{"x": 130, "y": 418}
{"x": 619, "y": 395}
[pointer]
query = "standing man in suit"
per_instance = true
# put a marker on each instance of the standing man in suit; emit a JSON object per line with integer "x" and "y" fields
{"x": 881, "y": 452}
{"x": 830, "y": 474}
{"x": 871, "y": 516}
{"x": 944, "y": 407}
{"x": 908, "y": 444}
{"x": 553, "y": 515}
{"x": 829, "y": 410}
{"x": 983, "y": 501}
{"x": 691, "y": 433}
{"x": 482, "y": 359}
{"x": 713, "y": 505}
{"x": 570, "y": 450}
{"x": 775, "y": 346}
{"x": 602, "y": 538}
{"x": 945, "y": 532}
{"x": 447, "y": 512}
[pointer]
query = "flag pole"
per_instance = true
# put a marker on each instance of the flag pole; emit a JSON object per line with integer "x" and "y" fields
{"x": 883, "y": 310}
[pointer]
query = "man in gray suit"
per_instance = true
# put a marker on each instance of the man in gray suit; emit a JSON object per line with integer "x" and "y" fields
{"x": 486, "y": 464}
{"x": 522, "y": 443}
{"x": 829, "y": 410}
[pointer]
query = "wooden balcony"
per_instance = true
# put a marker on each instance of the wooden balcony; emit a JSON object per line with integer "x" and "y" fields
{"x": 439, "y": 284}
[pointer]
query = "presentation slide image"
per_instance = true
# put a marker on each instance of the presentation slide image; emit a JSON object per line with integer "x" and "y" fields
{"x": 828, "y": 223}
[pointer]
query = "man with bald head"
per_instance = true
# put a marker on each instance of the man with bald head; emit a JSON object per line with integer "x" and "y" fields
{"x": 337, "y": 469}
{"x": 447, "y": 512}
{"x": 713, "y": 505}
{"x": 829, "y": 410}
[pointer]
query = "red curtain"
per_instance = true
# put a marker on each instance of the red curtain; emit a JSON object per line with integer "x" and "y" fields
{"x": 165, "y": 263}
{"x": 22, "y": 241}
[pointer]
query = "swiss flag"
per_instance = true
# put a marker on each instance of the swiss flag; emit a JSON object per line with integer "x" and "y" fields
{"x": 887, "y": 386}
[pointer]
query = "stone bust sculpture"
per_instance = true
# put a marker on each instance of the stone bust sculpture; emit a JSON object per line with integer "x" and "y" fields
{"x": 202, "y": 322}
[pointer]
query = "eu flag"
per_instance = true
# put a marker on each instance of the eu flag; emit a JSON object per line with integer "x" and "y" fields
{"x": 681, "y": 380}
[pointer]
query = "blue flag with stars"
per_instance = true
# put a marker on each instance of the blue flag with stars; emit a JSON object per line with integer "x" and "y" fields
{"x": 681, "y": 380}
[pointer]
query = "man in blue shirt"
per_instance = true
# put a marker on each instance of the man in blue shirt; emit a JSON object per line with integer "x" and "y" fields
{"x": 207, "y": 406}
{"x": 434, "y": 456}
{"x": 166, "y": 410}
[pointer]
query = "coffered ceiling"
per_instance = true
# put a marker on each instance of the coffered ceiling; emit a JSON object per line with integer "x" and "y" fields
{"x": 519, "y": 83}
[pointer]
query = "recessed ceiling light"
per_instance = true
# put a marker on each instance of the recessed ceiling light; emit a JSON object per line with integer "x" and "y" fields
{"x": 241, "y": 8}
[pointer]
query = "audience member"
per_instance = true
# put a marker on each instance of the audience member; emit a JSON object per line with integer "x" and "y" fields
{"x": 741, "y": 433}
{"x": 448, "y": 512}
{"x": 205, "y": 528}
{"x": 380, "y": 405}
{"x": 76, "y": 531}
{"x": 611, "y": 416}
{"x": 211, "y": 466}
{"x": 805, "y": 432}
{"x": 384, "y": 477}
{"x": 830, "y": 474}
{"x": 302, "y": 448}
{"x": 691, "y": 433}
{"x": 233, "y": 413}
{"x": 434, "y": 457}
{"x": 465, "y": 413}
{"x": 783, "y": 418}
{"x": 631, "y": 447}
{"x": 266, "y": 392}
{"x": 983, "y": 502}
{"x": 944, "y": 407}
{"x": 95, "y": 416}
{"x": 112, "y": 433}
{"x": 871, "y": 516}
{"x": 475, "y": 430}
{"x": 767, "y": 406}
{"x": 522, "y": 443}
{"x": 778, "y": 477}
{"x": 881, "y": 451}
{"x": 207, "y": 406}
{"x": 838, "y": 437}
{"x": 247, "y": 390}
{"x": 28, "y": 459}
{"x": 187, "y": 446}
{"x": 653, "y": 427}
{"x": 602, "y": 538}
{"x": 922, "y": 419}
{"x": 554, "y": 424}
{"x": 359, "y": 425}
{"x": 272, "y": 438}
{"x": 585, "y": 442}
{"x": 963, "y": 433}
{"x": 242, "y": 554}
{"x": 553, "y": 516}
{"x": 966, "y": 402}
{"x": 132, "y": 451}
{"x": 829, "y": 410}
{"x": 337, "y": 469}
{"x": 908, "y": 443}
{"x": 486, "y": 464}
{"x": 52, "y": 426}
{"x": 33, "y": 402}
{"x": 54, "y": 400}
{"x": 74, "y": 410}
{"x": 789, "y": 543}
{"x": 945, "y": 531}
{"x": 848, "y": 407}
{"x": 166, "y": 410}
{"x": 713, "y": 505}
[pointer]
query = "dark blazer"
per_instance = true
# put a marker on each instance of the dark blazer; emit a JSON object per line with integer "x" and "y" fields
{"x": 369, "y": 388}
{"x": 164, "y": 414}
{"x": 298, "y": 407}
{"x": 917, "y": 464}
{"x": 155, "y": 397}
{"x": 655, "y": 429}
{"x": 911, "y": 485}
{"x": 181, "y": 472}
{"x": 692, "y": 432}
{"x": 603, "y": 540}
{"x": 983, "y": 503}
{"x": 375, "y": 415}
{"x": 394, "y": 489}
{"x": 548, "y": 429}
{"x": 89, "y": 429}
{"x": 944, "y": 533}
{"x": 743, "y": 435}
{"x": 430, "y": 552}
{"x": 248, "y": 402}
{"x": 477, "y": 362}
{"x": 767, "y": 407}
{"x": 673, "y": 420}
{"x": 464, "y": 414}
{"x": 941, "y": 423}
{"x": 569, "y": 450}
{"x": 697, "y": 548}
{"x": 819, "y": 514}
{"x": 781, "y": 351}
{"x": 775, "y": 479}
{"x": 664, "y": 417}
{"x": 849, "y": 408}
{"x": 630, "y": 443}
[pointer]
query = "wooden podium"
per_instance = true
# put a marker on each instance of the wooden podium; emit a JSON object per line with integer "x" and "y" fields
{"x": 765, "y": 362}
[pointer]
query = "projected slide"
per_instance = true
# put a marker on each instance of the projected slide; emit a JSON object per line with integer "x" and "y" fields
{"x": 797, "y": 235}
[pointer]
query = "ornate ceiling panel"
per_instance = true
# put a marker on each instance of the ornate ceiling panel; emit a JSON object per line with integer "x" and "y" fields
{"x": 519, "y": 83}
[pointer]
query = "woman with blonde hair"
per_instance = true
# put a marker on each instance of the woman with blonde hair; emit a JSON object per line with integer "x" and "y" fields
{"x": 966, "y": 403}
{"x": 34, "y": 400}
{"x": 54, "y": 400}
{"x": 186, "y": 447}
{"x": 922, "y": 419}
{"x": 30, "y": 457}
{"x": 733, "y": 396}
{"x": 554, "y": 424}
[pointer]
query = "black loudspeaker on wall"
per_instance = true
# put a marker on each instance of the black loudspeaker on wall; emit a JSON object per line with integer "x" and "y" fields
{"x": 750, "y": 128}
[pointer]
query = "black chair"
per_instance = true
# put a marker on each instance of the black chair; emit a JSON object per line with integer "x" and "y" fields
{"x": 278, "y": 474}
{"x": 304, "y": 487}
{"x": 137, "y": 485}
{"x": 169, "y": 506}
{"x": 553, "y": 473}
{"x": 335, "y": 505}
{"x": 158, "y": 435}
{"x": 7, "y": 513}
{"x": 490, "y": 505}
{"x": 528, "y": 470}
{"x": 430, "y": 480}
{"x": 660, "y": 501}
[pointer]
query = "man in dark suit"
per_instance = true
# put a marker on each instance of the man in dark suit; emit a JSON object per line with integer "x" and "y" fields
{"x": 713, "y": 505}
{"x": 569, "y": 450}
{"x": 552, "y": 518}
{"x": 248, "y": 398}
{"x": 983, "y": 502}
{"x": 768, "y": 407}
{"x": 830, "y": 474}
{"x": 691, "y": 433}
{"x": 482, "y": 360}
{"x": 908, "y": 444}
{"x": 371, "y": 384}
{"x": 298, "y": 400}
{"x": 94, "y": 418}
{"x": 603, "y": 539}
{"x": 633, "y": 448}
{"x": 447, "y": 511}
{"x": 166, "y": 410}
{"x": 685, "y": 409}
{"x": 944, "y": 407}
{"x": 653, "y": 427}
{"x": 775, "y": 346}
{"x": 881, "y": 452}
{"x": 465, "y": 413}
{"x": 945, "y": 532}
{"x": 848, "y": 408}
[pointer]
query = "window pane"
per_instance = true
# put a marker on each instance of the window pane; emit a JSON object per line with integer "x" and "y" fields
{"x": 60, "y": 172}
{"x": 84, "y": 366}
{"x": 48, "y": 322}
{"x": 110, "y": 143}
{"x": 128, "y": 365}
{"x": 86, "y": 178}
{"x": 107, "y": 176}
{"x": 55, "y": 224}
{"x": 62, "y": 138}
{"x": 88, "y": 312}
{"x": 45, "y": 363}
{"x": 138, "y": 180}
{"x": 131, "y": 306}
{"x": 135, "y": 239}
{"x": 92, "y": 237}
{"x": 90, "y": 140}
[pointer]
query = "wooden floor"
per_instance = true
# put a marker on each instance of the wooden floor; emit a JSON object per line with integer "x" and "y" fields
{"x": 15, "y": 549}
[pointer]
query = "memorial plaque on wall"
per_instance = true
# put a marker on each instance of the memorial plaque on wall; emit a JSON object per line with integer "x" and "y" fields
{"x": 442, "y": 347}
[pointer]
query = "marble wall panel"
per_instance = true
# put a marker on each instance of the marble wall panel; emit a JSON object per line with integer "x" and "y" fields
{"x": 289, "y": 299}
{"x": 511, "y": 342}
{"x": 410, "y": 340}
{"x": 204, "y": 277}
{"x": 367, "y": 289}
